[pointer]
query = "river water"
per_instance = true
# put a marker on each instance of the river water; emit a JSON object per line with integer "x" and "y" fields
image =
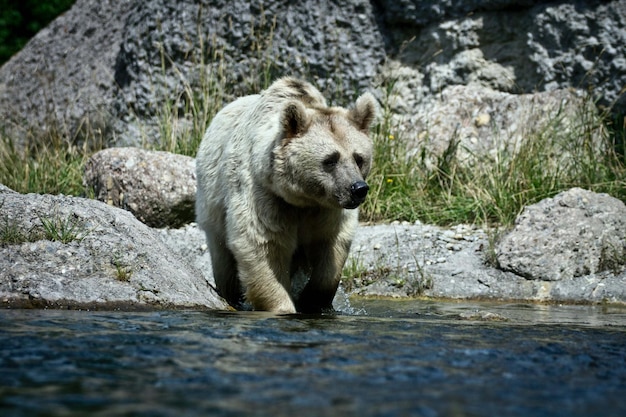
{"x": 377, "y": 358}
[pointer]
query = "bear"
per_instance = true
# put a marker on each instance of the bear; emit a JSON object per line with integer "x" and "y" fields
{"x": 280, "y": 177}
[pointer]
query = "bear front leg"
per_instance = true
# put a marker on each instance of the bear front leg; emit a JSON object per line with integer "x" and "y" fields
{"x": 264, "y": 274}
{"x": 224, "y": 270}
{"x": 326, "y": 260}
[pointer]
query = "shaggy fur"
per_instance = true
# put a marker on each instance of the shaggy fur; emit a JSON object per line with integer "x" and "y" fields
{"x": 280, "y": 175}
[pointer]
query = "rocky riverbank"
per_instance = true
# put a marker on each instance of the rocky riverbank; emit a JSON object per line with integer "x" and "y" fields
{"x": 69, "y": 252}
{"x": 478, "y": 82}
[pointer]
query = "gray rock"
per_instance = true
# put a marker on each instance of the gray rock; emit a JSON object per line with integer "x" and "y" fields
{"x": 576, "y": 233}
{"x": 149, "y": 52}
{"x": 63, "y": 78}
{"x": 159, "y": 188}
{"x": 513, "y": 46}
{"x": 113, "y": 66}
{"x": 109, "y": 259}
{"x": 114, "y": 261}
{"x": 5, "y": 189}
{"x": 189, "y": 244}
{"x": 404, "y": 260}
{"x": 485, "y": 123}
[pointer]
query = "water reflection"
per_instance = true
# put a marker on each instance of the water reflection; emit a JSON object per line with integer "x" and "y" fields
{"x": 402, "y": 358}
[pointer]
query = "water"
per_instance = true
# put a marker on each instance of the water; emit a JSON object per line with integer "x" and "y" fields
{"x": 398, "y": 359}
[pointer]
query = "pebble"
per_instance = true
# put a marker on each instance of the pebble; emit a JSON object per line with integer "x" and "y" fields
{"x": 453, "y": 246}
{"x": 448, "y": 233}
{"x": 445, "y": 238}
{"x": 482, "y": 119}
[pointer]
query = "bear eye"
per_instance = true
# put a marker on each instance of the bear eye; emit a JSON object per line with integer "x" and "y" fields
{"x": 359, "y": 160}
{"x": 331, "y": 160}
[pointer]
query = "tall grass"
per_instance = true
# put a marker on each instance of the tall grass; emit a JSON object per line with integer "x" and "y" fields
{"x": 493, "y": 189}
{"x": 183, "y": 118}
{"x": 52, "y": 164}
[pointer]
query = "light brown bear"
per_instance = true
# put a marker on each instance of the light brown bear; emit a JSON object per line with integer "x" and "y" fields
{"x": 280, "y": 176}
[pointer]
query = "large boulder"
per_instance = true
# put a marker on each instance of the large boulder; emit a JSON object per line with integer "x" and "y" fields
{"x": 151, "y": 53}
{"x": 511, "y": 46}
{"x": 60, "y": 251}
{"x": 69, "y": 252}
{"x": 479, "y": 122}
{"x": 159, "y": 188}
{"x": 115, "y": 66}
{"x": 574, "y": 234}
{"x": 405, "y": 260}
{"x": 63, "y": 78}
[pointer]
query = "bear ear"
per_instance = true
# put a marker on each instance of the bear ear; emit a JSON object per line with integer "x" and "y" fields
{"x": 364, "y": 112}
{"x": 294, "y": 120}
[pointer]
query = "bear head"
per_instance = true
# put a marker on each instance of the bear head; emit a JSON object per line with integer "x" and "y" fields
{"x": 323, "y": 154}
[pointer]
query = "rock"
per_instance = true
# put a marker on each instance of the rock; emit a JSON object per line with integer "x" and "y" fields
{"x": 510, "y": 46}
{"x": 111, "y": 260}
{"x": 482, "y": 316}
{"x": 113, "y": 66}
{"x": 405, "y": 265}
{"x": 492, "y": 124}
{"x": 159, "y": 188}
{"x": 101, "y": 257}
{"x": 5, "y": 189}
{"x": 189, "y": 244}
{"x": 576, "y": 233}
{"x": 69, "y": 67}
{"x": 159, "y": 50}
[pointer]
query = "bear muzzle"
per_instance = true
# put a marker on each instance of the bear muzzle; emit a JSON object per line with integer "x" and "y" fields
{"x": 358, "y": 192}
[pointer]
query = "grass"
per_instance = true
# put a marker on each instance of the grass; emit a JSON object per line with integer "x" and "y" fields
{"x": 11, "y": 234}
{"x": 355, "y": 274}
{"x": 53, "y": 227}
{"x": 183, "y": 118}
{"x": 63, "y": 229}
{"x": 49, "y": 164}
{"x": 491, "y": 191}
{"x": 123, "y": 272}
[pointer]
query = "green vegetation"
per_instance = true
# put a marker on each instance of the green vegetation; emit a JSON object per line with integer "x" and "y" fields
{"x": 53, "y": 227}
{"x": 355, "y": 274}
{"x": 63, "y": 229}
{"x": 123, "y": 272}
{"x": 21, "y": 20}
{"x": 11, "y": 234}
{"x": 491, "y": 191}
{"x": 494, "y": 188}
{"x": 48, "y": 165}
{"x": 183, "y": 119}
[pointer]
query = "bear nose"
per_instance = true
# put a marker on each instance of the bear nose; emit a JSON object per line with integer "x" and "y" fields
{"x": 359, "y": 189}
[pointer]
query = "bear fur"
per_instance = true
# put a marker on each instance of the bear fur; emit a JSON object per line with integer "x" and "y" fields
{"x": 280, "y": 176}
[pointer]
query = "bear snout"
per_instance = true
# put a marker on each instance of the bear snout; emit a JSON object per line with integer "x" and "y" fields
{"x": 358, "y": 192}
